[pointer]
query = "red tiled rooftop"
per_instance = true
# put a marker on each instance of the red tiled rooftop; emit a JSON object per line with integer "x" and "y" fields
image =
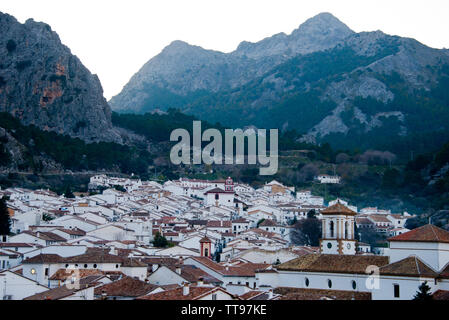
{"x": 427, "y": 233}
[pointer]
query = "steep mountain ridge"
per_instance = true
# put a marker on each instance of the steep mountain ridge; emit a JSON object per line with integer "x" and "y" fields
{"x": 44, "y": 84}
{"x": 187, "y": 71}
{"x": 332, "y": 85}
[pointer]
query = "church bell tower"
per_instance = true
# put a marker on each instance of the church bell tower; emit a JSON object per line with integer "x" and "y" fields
{"x": 338, "y": 230}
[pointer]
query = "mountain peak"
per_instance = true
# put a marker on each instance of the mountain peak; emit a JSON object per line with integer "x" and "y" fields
{"x": 323, "y": 22}
{"x": 320, "y": 32}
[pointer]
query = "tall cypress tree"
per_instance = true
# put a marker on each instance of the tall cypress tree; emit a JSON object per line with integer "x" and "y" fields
{"x": 5, "y": 220}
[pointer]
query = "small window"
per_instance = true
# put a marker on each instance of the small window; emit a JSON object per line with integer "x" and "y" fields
{"x": 85, "y": 266}
{"x": 116, "y": 266}
{"x": 354, "y": 284}
{"x": 46, "y": 272}
{"x": 396, "y": 290}
{"x": 95, "y": 266}
{"x": 307, "y": 282}
{"x": 66, "y": 265}
{"x": 329, "y": 283}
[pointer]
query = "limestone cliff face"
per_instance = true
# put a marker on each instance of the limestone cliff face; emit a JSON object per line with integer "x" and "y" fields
{"x": 44, "y": 84}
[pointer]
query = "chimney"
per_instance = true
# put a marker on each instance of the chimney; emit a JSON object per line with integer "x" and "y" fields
{"x": 178, "y": 270}
{"x": 270, "y": 294}
{"x": 185, "y": 289}
{"x": 154, "y": 267}
{"x": 200, "y": 282}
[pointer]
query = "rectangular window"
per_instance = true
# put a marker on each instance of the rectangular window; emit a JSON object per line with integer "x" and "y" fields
{"x": 214, "y": 296}
{"x": 396, "y": 290}
{"x": 46, "y": 272}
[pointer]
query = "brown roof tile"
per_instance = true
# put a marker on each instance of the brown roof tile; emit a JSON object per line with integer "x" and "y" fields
{"x": 409, "y": 267}
{"x": 126, "y": 287}
{"x": 319, "y": 294}
{"x": 427, "y": 233}
{"x": 338, "y": 208}
{"x": 195, "y": 293}
{"x": 333, "y": 263}
{"x": 56, "y": 294}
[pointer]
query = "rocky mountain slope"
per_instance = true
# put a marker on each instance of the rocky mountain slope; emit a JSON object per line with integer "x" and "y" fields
{"x": 190, "y": 71}
{"x": 323, "y": 80}
{"x": 44, "y": 84}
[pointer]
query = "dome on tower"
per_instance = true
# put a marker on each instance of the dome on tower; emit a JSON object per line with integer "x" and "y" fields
{"x": 338, "y": 208}
{"x": 205, "y": 239}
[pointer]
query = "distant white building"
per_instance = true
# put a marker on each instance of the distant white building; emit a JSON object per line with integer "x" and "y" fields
{"x": 221, "y": 197}
{"x": 325, "y": 178}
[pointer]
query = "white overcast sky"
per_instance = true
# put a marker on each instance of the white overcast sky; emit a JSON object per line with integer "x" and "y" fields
{"x": 114, "y": 38}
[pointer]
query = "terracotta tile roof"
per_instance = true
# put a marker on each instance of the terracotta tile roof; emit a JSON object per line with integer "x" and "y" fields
{"x": 410, "y": 267}
{"x": 363, "y": 220}
{"x": 205, "y": 239}
{"x": 445, "y": 272}
{"x": 44, "y": 258}
{"x": 75, "y": 232}
{"x": 338, "y": 208}
{"x": 218, "y": 224}
{"x": 218, "y": 190}
{"x": 197, "y": 222}
{"x": 333, "y": 263}
{"x": 15, "y": 245}
{"x": 64, "y": 274}
{"x": 89, "y": 257}
{"x": 193, "y": 274}
{"x": 379, "y": 218}
{"x": 195, "y": 293}
{"x": 250, "y": 294}
{"x": 319, "y": 294}
{"x": 268, "y": 223}
{"x": 243, "y": 270}
{"x": 160, "y": 261}
{"x": 57, "y": 293}
{"x": 427, "y": 233}
{"x": 126, "y": 287}
{"x": 47, "y": 236}
{"x": 441, "y": 295}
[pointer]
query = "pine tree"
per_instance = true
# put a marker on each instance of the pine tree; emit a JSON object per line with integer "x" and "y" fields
{"x": 159, "y": 241}
{"x": 5, "y": 220}
{"x": 423, "y": 292}
{"x": 68, "y": 193}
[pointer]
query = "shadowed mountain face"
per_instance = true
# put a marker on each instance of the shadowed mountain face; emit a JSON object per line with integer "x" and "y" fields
{"x": 43, "y": 84}
{"x": 323, "y": 80}
{"x": 183, "y": 69}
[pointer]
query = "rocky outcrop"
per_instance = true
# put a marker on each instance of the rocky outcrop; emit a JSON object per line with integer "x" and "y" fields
{"x": 44, "y": 84}
{"x": 319, "y": 33}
